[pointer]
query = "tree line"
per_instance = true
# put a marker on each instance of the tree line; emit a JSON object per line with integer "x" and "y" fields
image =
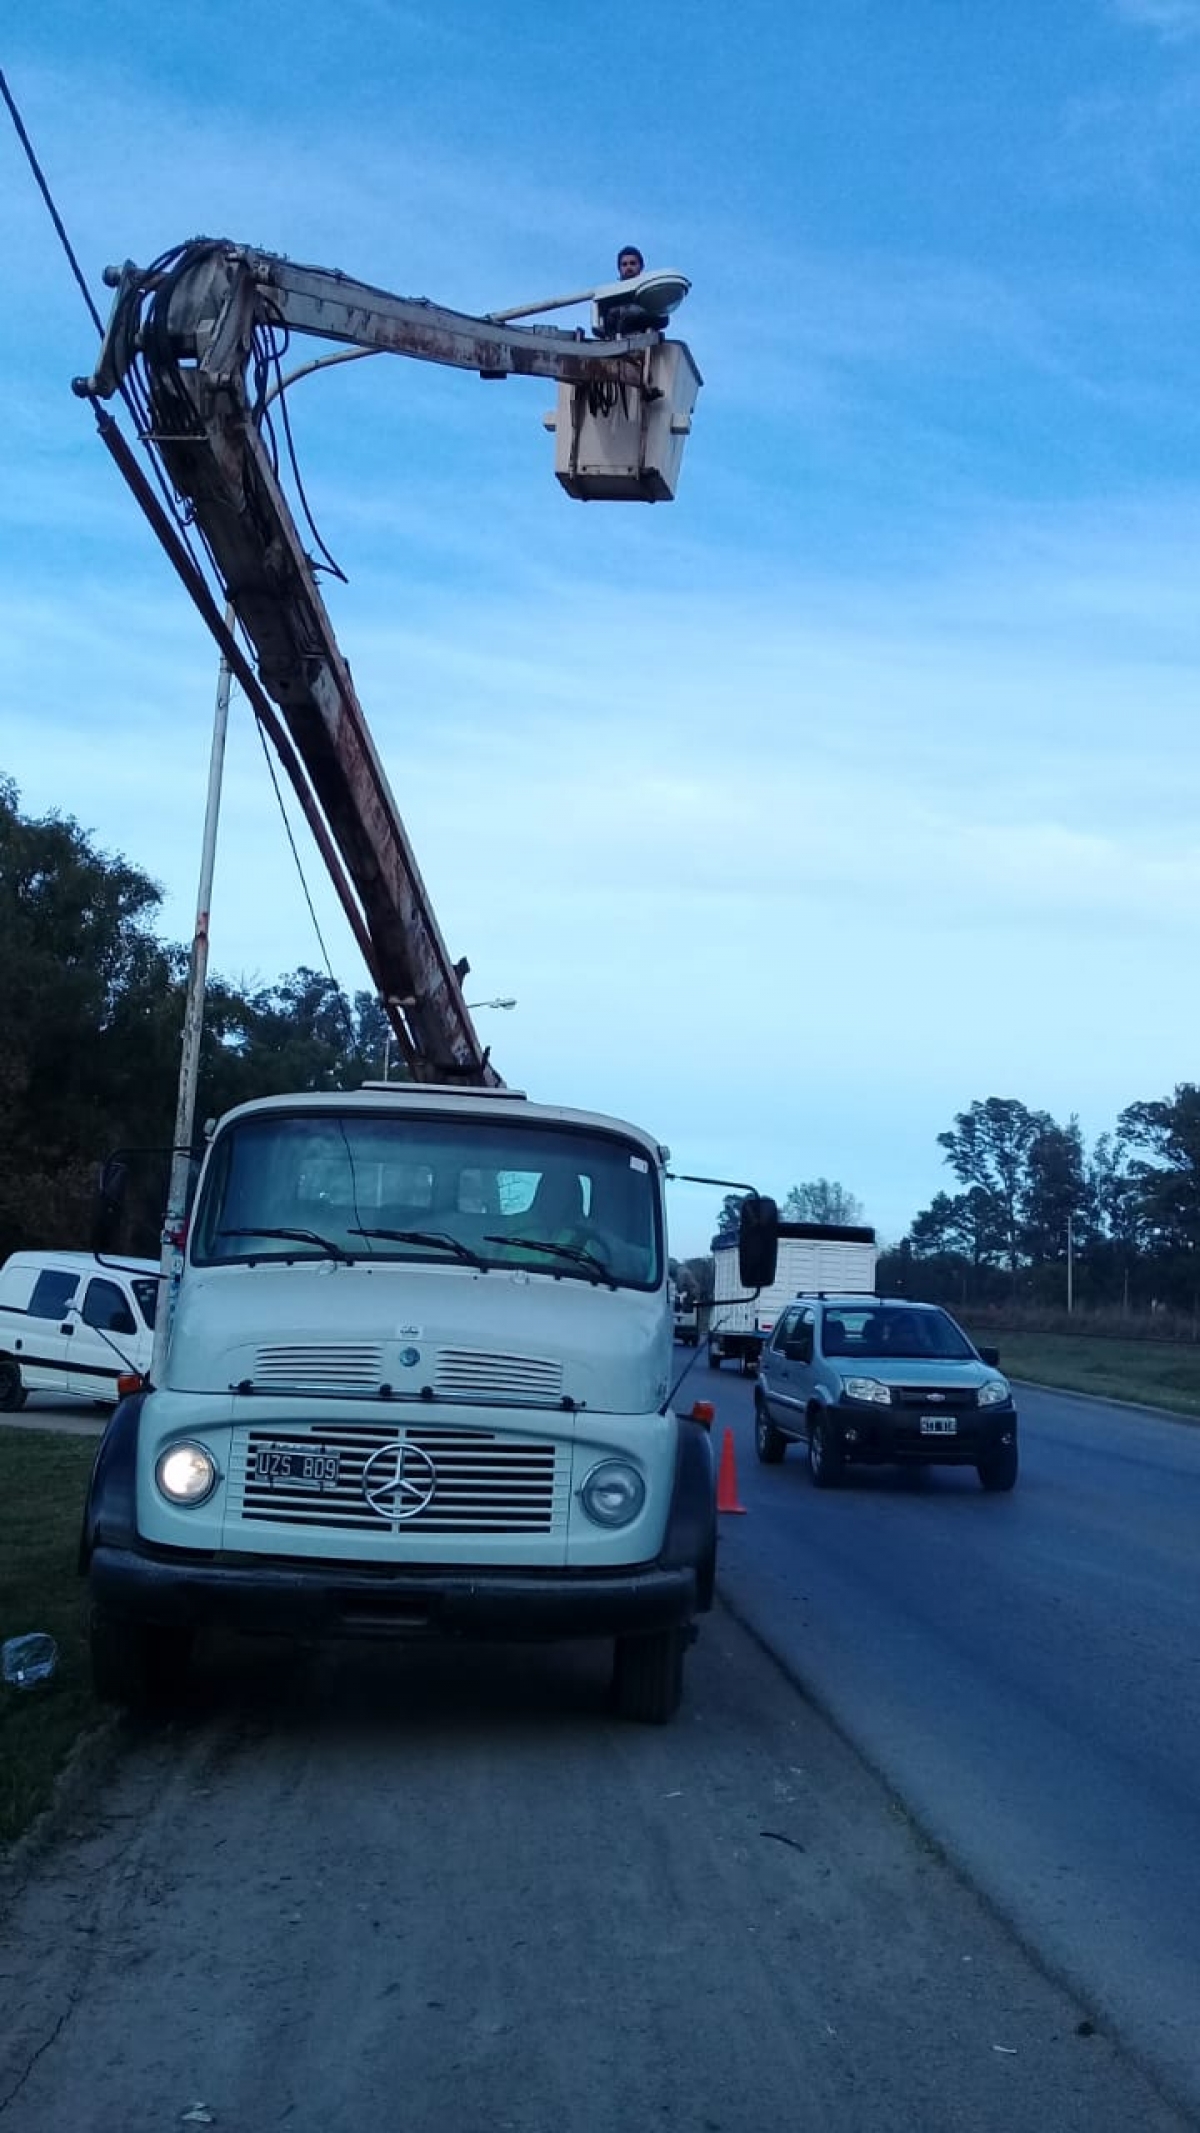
{"x": 1037, "y": 1217}
{"x": 91, "y": 1012}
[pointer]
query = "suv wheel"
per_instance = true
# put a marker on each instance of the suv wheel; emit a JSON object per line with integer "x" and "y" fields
{"x": 826, "y": 1458}
{"x": 998, "y": 1472}
{"x": 12, "y": 1392}
{"x": 769, "y": 1442}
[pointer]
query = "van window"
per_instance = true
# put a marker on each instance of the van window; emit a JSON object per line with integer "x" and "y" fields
{"x": 105, "y": 1307}
{"x": 52, "y": 1292}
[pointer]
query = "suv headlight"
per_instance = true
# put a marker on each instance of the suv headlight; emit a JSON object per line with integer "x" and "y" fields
{"x": 186, "y": 1473}
{"x": 613, "y": 1493}
{"x": 868, "y": 1389}
{"x": 991, "y": 1394}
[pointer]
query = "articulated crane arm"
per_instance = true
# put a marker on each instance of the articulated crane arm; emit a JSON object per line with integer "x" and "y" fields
{"x": 185, "y": 339}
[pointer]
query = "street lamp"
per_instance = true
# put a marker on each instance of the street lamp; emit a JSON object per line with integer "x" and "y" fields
{"x": 473, "y": 1006}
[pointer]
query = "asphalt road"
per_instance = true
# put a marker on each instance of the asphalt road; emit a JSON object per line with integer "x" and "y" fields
{"x": 1024, "y": 1669}
{"x": 359, "y": 1886}
{"x": 427, "y": 1890}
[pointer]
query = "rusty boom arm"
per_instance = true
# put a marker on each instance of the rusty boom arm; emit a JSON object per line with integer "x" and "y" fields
{"x": 186, "y": 338}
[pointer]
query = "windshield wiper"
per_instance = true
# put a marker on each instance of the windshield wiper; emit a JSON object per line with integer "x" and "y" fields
{"x": 300, "y": 1236}
{"x": 440, "y": 1237}
{"x": 578, "y": 1254}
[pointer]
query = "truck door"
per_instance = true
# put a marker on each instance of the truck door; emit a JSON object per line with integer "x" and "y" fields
{"x": 103, "y": 1344}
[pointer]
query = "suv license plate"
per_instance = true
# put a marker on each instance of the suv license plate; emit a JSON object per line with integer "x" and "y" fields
{"x": 295, "y": 1466}
{"x": 939, "y": 1425}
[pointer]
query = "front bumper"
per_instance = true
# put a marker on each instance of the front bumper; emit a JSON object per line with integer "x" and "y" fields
{"x": 880, "y": 1435}
{"x": 329, "y": 1599}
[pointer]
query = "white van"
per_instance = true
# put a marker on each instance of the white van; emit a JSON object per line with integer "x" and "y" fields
{"x": 72, "y": 1324}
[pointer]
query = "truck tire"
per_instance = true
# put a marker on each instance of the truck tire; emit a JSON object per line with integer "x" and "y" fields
{"x": 715, "y": 1357}
{"x": 12, "y": 1393}
{"x": 142, "y": 1665}
{"x": 998, "y": 1471}
{"x": 769, "y": 1443}
{"x": 826, "y": 1458}
{"x": 648, "y": 1676}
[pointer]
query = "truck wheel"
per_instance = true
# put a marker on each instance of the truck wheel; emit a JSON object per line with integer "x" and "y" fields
{"x": 998, "y": 1472}
{"x": 648, "y": 1676}
{"x": 142, "y": 1665}
{"x": 714, "y": 1358}
{"x": 826, "y": 1459}
{"x": 769, "y": 1442}
{"x": 12, "y": 1393}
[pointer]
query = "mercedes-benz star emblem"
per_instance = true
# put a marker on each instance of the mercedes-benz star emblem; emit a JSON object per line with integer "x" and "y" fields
{"x": 399, "y": 1481}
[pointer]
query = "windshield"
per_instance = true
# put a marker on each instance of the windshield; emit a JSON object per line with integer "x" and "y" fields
{"x": 482, "y": 1192}
{"x": 886, "y": 1331}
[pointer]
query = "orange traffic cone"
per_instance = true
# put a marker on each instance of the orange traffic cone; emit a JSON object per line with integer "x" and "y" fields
{"x": 727, "y": 1488}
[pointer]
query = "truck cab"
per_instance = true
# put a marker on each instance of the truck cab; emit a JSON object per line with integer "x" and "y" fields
{"x": 417, "y": 1383}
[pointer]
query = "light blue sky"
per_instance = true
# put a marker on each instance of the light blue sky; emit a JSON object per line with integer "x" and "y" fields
{"x": 859, "y": 782}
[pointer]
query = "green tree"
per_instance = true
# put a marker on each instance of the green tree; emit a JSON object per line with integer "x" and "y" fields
{"x": 730, "y": 1216}
{"x": 821, "y": 1200}
{"x": 1056, "y": 1191}
{"x": 988, "y": 1150}
{"x": 87, "y": 1024}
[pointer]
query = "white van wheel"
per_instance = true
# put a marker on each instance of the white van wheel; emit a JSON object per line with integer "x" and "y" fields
{"x": 12, "y": 1393}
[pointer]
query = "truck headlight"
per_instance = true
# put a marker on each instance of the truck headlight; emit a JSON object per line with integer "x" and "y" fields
{"x": 991, "y": 1394}
{"x": 867, "y": 1389}
{"x": 186, "y": 1473}
{"x": 613, "y": 1493}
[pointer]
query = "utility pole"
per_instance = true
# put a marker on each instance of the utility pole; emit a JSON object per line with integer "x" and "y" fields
{"x": 1070, "y": 1264}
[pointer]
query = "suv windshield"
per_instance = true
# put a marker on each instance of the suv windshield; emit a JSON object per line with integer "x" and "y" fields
{"x": 892, "y": 1330}
{"x": 450, "y": 1190}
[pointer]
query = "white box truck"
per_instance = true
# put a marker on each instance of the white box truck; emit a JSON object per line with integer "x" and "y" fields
{"x": 812, "y": 1256}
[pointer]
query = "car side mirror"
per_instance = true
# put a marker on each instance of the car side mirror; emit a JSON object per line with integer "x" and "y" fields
{"x": 758, "y": 1241}
{"x": 109, "y": 1204}
{"x": 991, "y": 1356}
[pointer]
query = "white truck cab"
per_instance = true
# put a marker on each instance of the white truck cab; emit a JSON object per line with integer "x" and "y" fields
{"x": 418, "y": 1381}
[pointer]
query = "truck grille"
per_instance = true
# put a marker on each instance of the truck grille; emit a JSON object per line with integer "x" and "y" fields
{"x": 484, "y": 1483}
{"x": 305, "y": 1368}
{"x": 464, "y": 1374}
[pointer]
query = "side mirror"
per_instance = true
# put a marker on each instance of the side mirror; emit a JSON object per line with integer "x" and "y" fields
{"x": 758, "y": 1242}
{"x": 109, "y": 1204}
{"x": 990, "y": 1356}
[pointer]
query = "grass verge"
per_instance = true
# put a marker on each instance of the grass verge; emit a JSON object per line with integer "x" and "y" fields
{"x": 43, "y": 1480}
{"x": 1154, "y": 1373}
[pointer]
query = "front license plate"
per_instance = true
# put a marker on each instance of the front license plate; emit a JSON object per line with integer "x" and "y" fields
{"x": 294, "y": 1466}
{"x": 939, "y": 1425}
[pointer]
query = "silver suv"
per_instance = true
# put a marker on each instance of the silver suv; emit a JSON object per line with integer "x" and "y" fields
{"x": 872, "y": 1380}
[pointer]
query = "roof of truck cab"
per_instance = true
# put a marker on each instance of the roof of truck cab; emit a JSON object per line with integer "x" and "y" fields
{"x": 411, "y": 1099}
